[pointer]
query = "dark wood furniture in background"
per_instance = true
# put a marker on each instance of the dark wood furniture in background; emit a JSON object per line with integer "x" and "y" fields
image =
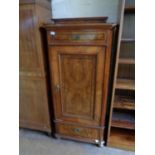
{"x": 34, "y": 113}
{"x": 80, "y": 54}
{"x": 121, "y": 133}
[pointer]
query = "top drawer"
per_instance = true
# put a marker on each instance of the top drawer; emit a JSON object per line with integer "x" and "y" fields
{"x": 63, "y": 37}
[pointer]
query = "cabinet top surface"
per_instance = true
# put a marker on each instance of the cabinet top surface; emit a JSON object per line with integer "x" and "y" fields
{"x": 90, "y": 22}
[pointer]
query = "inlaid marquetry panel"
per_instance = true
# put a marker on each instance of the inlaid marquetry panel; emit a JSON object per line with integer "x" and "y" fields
{"x": 78, "y": 84}
{"x": 27, "y": 39}
{"x": 77, "y": 37}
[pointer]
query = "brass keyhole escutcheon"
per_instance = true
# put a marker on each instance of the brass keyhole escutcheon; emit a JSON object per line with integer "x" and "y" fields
{"x": 76, "y": 37}
{"x": 77, "y": 130}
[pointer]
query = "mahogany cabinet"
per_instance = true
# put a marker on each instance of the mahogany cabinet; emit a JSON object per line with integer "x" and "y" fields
{"x": 34, "y": 112}
{"x": 80, "y": 53}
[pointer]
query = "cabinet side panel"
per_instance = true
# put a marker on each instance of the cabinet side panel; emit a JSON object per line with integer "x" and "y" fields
{"x": 34, "y": 113}
{"x": 27, "y": 42}
{"x": 33, "y": 104}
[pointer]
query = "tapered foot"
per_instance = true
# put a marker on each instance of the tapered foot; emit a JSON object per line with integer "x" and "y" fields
{"x": 101, "y": 144}
{"x": 49, "y": 134}
{"x": 57, "y": 136}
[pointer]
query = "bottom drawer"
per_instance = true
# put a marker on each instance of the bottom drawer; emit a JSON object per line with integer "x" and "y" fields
{"x": 77, "y": 131}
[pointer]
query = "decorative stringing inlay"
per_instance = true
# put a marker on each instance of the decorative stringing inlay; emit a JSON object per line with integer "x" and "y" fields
{"x": 85, "y": 36}
{"x": 78, "y": 84}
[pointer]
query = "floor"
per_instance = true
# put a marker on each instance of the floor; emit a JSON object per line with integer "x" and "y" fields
{"x": 38, "y": 143}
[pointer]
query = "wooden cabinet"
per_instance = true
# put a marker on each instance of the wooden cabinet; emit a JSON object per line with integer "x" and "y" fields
{"x": 79, "y": 60}
{"x": 34, "y": 113}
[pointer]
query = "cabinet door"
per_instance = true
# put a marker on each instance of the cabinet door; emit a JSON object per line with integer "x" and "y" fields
{"x": 77, "y": 83}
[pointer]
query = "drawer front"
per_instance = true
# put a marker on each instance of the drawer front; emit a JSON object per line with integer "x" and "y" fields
{"x": 76, "y": 37}
{"x": 77, "y": 131}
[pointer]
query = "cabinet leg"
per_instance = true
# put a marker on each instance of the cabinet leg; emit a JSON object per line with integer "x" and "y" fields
{"x": 101, "y": 144}
{"x": 49, "y": 134}
{"x": 57, "y": 136}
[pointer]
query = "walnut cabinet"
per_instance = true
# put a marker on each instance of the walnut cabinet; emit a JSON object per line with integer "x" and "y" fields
{"x": 80, "y": 55}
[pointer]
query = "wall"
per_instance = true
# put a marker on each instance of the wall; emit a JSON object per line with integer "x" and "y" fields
{"x": 86, "y": 8}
